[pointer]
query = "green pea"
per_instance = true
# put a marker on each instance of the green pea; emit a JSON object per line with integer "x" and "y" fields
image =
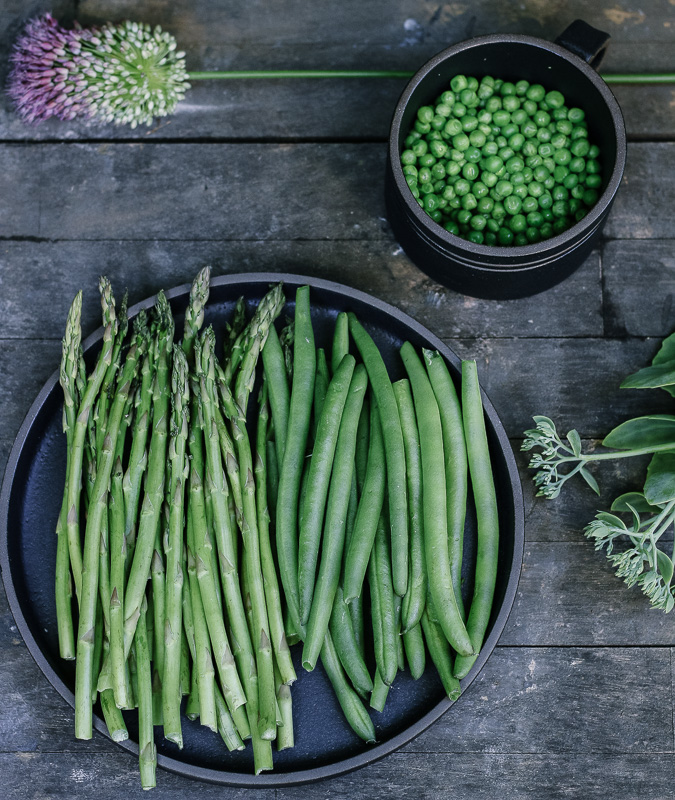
{"x": 577, "y": 165}
{"x": 480, "y": 189}
{"x": 530, "y": 107}
{"x": 593, "y": 167}
{"x": 411, "y": 180}
{"x": 469, "y": 123}
{"x": 546, "y": 230}
{"x": 415, "y": 191}
{"x": 559, "y": 113}
{"x": 493, "y": 104}
{"x": 501, "y": 141}
{"x": 560, "y": 172}
{"x": 520, "y": 191}
{"x": 485, "y": 205}
{"x": 579, "y": 133}
{"x": 453, "y": 167}
{"x": 431, "y": 202}
{"x": 459, "y": 83}
{"x": 459, "y": 110}
{"x": 448, "y": 193}
{"x": 520, "y": 240}
{"x": 521, "y": 87}
{"x": 513, "y": 205}
{"x": 578, "y": 191}
{"x": 530, "y": 204}
{"x": 493, "y": 225}
{"x": 505, "y": 237}
{"x": 460, "y": 142}
{"x": 447, "y": 98}
{"x": 498, "y": 212}
{"x": 422, "y": 127}
{"x": 493, "y": 163}
{"x": 541, "y": 118}
{"x": 490, "y": 238}
{"x": 452, "y": 127}
{"x": 470, "y": 171}
{"x": 443, "y": 109}
{"x": 555, "y": 99}
{"x": 438, "y": 185}
{"x": 536, "y": 93}
{"x": 580, "y": 147}
{"x": 511, "y": 102}
{"x": 410, "y": 169}
{"x": 424, "y": 175}
{"x": 451, "y": 227}
{"x": 545, "y": 150}
{"x": 519, "y": 117}
{"x": 562, "y": 156}
{"x": 469, "y": 201}
{"x": 425, "y": 114}
{"x": 535, "y": 219}
{"x": 477, "y": 138}
{"x": 484, "y": 91}
{"x": 529, "y": 149}
{"x": 594, "y": 152}
{"x": 437, "y": 122}
{"x": 594, "y": 181}
{"x": 439, "y": 149}
{"x": 516, "y": 141}
{"x": 420, "y": 148}
{"x": 529, "y": 130}
{"x": 504, "y": 188}
{"x": 436, "y": 215}
{"x": 410, "y": 140}
{"x": 507, "y": 88}
{"x": 476, "y": 237}
{"x": 462, "y": 187}
{"x": 576, "y": 115}
{"x": 501, "y": 118}
{"x": 560, "y": 208}
{"x": 575, "y": 205}
{"x": 489, "y": 178}
{"x": 535, "y": 188}
{"x": 469, "y": 98}
{"x": 564, "y": 126}
{"x": 472, "y": 154}
{"x": 464, "y": 216}
{"x": 505, "y": 153}
{"x": 561, "y": 225}
{"x": 517, "y": 178}
{"x": 438, "y": 172}
{"x": 426, "y": 188}
{"x": 408, "y": 157}
{"x": 478, "y": 222}
{"x": 533, "y": 235}
{"x": 559, "y": 140}
{"x": 427, "y": 160}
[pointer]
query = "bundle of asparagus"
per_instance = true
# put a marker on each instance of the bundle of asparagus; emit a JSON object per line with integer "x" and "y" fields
{"x": 213, "y": 532}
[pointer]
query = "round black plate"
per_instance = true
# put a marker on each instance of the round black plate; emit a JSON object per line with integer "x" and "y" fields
{"x": 325, "y": 745}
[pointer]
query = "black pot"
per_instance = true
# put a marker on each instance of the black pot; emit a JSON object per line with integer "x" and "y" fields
{"x": 508, "y": 272}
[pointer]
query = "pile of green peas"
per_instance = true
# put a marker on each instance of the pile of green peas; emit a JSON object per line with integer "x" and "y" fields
{"x": 501, "y": 163}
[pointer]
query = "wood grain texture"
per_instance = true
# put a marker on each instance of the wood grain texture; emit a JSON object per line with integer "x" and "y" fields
{"x": 249, "y": 191}
{"x": 577, "y": 699}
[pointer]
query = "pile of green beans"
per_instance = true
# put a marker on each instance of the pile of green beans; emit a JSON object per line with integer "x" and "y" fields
{"x": 211, "y": 532}
{"x": 501, "y": 163}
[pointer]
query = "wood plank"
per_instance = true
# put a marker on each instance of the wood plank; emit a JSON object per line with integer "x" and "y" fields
{"x": 583, "y": 694}
{"x": 28, "y": 307}
{"x": 510, "y": 777}
{"x": 222, "y": 191}
{"x": 568, "y": 596}
{"x": 629, "y": 267}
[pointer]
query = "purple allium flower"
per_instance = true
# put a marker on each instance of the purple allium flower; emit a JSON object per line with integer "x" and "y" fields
{"x": 126, "y": 74}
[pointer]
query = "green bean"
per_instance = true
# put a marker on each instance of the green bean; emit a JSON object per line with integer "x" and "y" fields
{"x": 340, "y": 340}
{"x": 413, "y": 642}
{"x": 347, "y": 647}
{"x": 380, "y": 692}
{"x": 435, "y": 503}
{"x": 351, "y": 705}
{"x": 439, "y": 650}
{"x": 277, "y": 383}
{"x": 334, "y": 526}
{"x": 394, "y": 450}
{"x": 415, "y": 596}
{"x": 487, "y": 515}
{"x": 456, "y": 469}
{"x": 302, "y": 393}
{"x": 320, "y": 466}
{"x": 386, "y": 604}
{"x": 368, "y": 512}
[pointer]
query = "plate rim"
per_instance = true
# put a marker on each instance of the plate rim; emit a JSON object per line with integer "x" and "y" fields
{"x": 378, "y": 751}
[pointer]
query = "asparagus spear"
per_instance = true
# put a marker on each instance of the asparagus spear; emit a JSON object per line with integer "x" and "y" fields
{"x": 194, "y": 314}
{"x": 90, "y": 560}
{"x": 68, "y": 377}
{"x": 174, "y": 550}
{"x": 149, "y": 519}
{"x": 74, "y": 479}
{"x": 147, "y": 751}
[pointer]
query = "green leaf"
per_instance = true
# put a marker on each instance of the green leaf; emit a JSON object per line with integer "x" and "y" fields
{"x": 634, "y": 500}
{"x": 610, "y": 519}
{"x": 642, "y": 433}
{"x": 590, "y": 480}
{"x": 665, "y": 566}
{"x": 666, "y": 353}
{"x": 575, "y": 441}
{"x": 660, "y": 483}
{"x": 654, "y": 377}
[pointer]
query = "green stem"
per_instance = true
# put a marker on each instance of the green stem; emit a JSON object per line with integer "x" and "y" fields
{"x": 256, "y": 74}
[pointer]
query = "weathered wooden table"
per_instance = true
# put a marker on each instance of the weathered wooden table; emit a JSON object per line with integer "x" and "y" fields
{"x": 577, "y": 699}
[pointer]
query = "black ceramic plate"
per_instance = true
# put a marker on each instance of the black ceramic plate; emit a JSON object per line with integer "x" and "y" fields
{"x": 325, "y": 745}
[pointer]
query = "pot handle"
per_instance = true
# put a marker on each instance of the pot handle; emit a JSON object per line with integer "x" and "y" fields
{"x": 584, "y": 41}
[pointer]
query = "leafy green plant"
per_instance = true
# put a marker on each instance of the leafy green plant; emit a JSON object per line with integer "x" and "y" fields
{"x": 632, "y": 547}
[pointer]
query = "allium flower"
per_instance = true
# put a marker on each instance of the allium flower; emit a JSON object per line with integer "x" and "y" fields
{"x": 128, "y": 73}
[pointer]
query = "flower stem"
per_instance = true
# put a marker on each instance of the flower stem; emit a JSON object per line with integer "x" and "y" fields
{"x": 612, "y": 78}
